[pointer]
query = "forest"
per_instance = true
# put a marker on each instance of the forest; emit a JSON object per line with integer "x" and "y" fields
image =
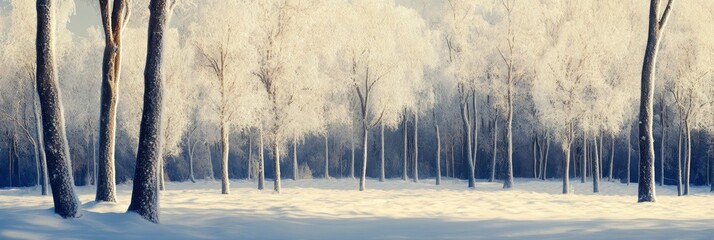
{"x": 151, "y": 92}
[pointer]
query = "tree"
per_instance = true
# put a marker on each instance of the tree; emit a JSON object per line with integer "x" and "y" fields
{"x": 145, "y": 193}
{"x": 646, "y": 185}
{"x": 66, "y": 203}
{"x": 114, "y": 17}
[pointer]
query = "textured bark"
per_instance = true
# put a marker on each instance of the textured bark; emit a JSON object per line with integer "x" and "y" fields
{"x": 225, "y": 182}
{"x": 145, "y": 195}
{"x": 113, "y": 22}
{"x": 508, "y": 181}
{"x": 646, "y": 182}
{"x": 66, "y": 203}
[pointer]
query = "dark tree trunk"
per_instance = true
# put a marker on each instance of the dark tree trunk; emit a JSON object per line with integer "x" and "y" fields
{"x": 65, "y": 200}
{"x": 646, "y": 181}
{"x": 145, "y": 194}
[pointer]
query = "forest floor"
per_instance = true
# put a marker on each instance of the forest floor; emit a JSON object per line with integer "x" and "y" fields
{"x": 334, "y": 209}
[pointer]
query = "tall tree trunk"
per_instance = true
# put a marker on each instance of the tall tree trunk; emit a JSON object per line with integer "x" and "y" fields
{"x": 438, "y": 152}
{"x": 416, "y": 148}
{"x": 508, "y": 181}
{"x": 363, "y": 172}
{"x": 276, "y": 165}
{"x": 161, "y": 174}
{"x": 295, "y": 162}
{"x": 381, "y": 152}
{"x": 190, "y": 161}
{"x": 467, "y": 130}
{"x": 474, "y": 127}
{"x": 566, "y": 169}
{"x": 66, "y": 203}
{"x": 646, "y": 185}
{"x": 327, "y": 158}
{"x": 145, "y": 197}
{"x": 225, "y": 149}
{"x": 40, "y": 145}
{"x": 596, "y": 166}
{"x": 687, "y": 158}
{"x": 404, "y": 155}
{"x": 662, "y": 120}
{"x": 261, "y": 162}
{"x": 535, "y": 156}
{"x": 113, "y": 23}
{"x": 629, "y": 153}
{"x": 495, "y": 149}
{"x": 679, "y": 163}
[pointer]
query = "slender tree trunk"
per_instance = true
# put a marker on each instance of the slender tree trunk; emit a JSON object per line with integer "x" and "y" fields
{"x": 190, "y": 161}
{"x": 145, "y": 197}
{"x": 416, "y": 148}
{"x": 404, "y": 155}
{"x": 679, "y": 163}
{"x": 261, "y": 162}
{"x": 161, "y": 174}
{"x": 66, "y": 203}
{"x": 467, "y": 130}
{"x": 495, "y": 150}
{"x": 545, "y": 164}
{"x": 40, "y": 145}
{"x": 612, "y": 157}
{"x": 535, "y": 157}
{"x": 596, "y": 167}
{"x": 508, "y": 181}
{"x": 452, "y": 162}
{"x": 295, "y": 161}
{"x": 662, "y": 120}
{"x": 584, "y": 164}
{"x": 381, "y": 153}
{"x": 250, "y": 157}
{"x": 474, "y": 127}
{"x": 629, "y": 153}
{"x": 113, "y": 22}
{"x": 225, "y": 149}
{"x": 327, "y": 158}
{"x": 646, "y": 185}
{"x": 363, "y": 172}
{"x": 687, "y": 158}
{"x": 566, "y": 169}
{"x": 276, "y": 165}
{"x": 352, "y": 151}
{"x": 438, "y": 153}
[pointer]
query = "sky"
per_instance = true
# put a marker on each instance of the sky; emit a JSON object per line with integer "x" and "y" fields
{"x": 87, "y": 15}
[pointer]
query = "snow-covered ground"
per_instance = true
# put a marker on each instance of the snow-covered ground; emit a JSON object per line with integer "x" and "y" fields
{"x": 334, "y": 209}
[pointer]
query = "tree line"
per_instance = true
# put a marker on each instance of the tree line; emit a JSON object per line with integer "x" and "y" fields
{"x": 354, "y": 89}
